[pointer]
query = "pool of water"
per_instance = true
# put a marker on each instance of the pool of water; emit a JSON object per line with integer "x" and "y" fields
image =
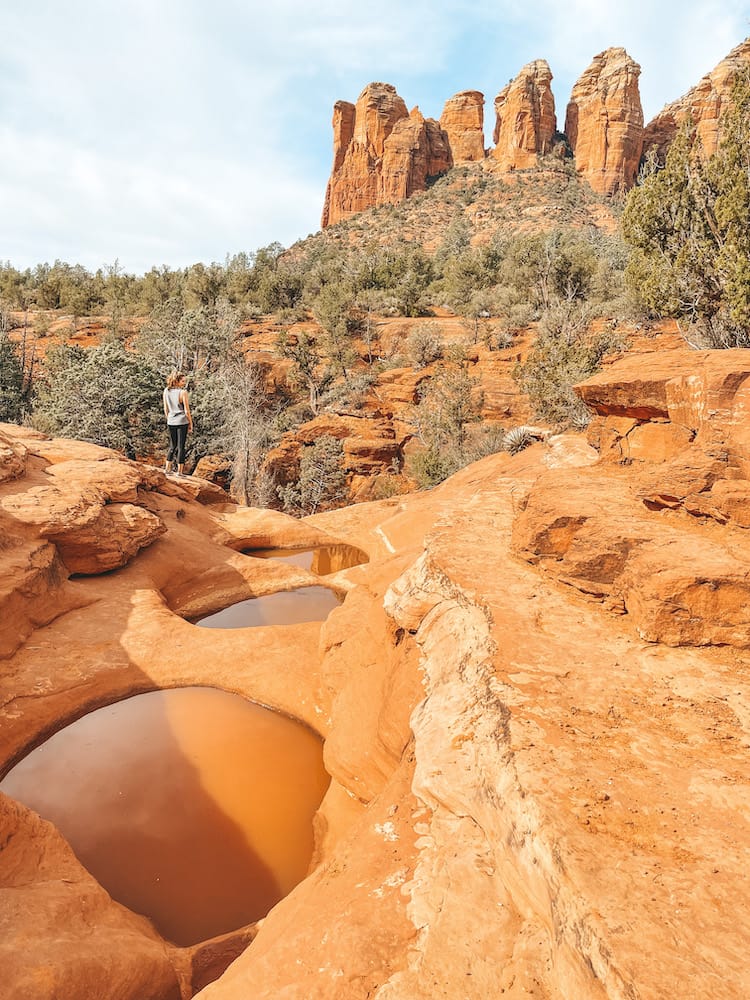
{"x": 191, "y": 806}
{"x": 289, "y": 607}
{"x": 322, "y": 560}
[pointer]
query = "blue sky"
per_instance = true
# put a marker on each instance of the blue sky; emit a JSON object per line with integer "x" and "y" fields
{"x": 173, "y": 131}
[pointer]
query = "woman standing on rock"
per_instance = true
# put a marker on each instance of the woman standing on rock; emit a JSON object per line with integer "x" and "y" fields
{"x": 179, "y": 420}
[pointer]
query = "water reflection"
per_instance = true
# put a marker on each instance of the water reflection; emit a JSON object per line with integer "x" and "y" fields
{"x": 322, "y": 560}
{"x": 191, "y": 806}
{"x": 289, "y": 607}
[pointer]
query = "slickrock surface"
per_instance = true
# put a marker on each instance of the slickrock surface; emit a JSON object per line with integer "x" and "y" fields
{"x": 703, "y": 105}
{"x": 60, "y": 933}
{"x": 604, "y": 122}
{"x": 525, "y": 120}
{"x": 534, "y": 701}
{"x": 463, "y": 122}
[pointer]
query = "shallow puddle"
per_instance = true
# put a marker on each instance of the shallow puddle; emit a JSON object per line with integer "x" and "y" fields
{"x": 322, "y": 560}
{"x": 289, "y": 607}
{"x": 191, "y": 806}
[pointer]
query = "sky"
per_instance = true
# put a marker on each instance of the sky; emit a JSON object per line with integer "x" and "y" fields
{"x": 157, "y": 132}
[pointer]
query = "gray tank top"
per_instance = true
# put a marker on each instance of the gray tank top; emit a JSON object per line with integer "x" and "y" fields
{"x": 175, "y": 410}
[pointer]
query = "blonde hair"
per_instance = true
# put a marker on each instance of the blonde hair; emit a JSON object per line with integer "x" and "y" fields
{"x": 174, "y": 379}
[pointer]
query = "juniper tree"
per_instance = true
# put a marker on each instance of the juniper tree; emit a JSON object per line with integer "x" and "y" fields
{"x": 321, "y": 484}
{"x": 105, "y": 395}
{"x": 688, "y": 225}
{"x": 11, "y": 382}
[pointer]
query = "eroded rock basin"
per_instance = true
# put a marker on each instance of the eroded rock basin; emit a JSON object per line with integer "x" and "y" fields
{"x": 191, "y": 806}
{"x": 287, "y": 607}
{"x": 322, "y": 560}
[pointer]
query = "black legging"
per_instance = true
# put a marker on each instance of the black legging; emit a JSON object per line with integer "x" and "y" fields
{"x": 177, "y": 439}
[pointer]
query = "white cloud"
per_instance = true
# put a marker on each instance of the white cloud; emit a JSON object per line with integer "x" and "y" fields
{"x": 178, "y": 130}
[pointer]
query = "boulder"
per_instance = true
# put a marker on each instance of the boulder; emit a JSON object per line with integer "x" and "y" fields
{"x": 12, "y": 458}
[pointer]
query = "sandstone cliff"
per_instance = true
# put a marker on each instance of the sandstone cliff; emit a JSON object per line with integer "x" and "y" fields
{"x": 416, "y": 149}
{"x": 604, "y": 122}
{"x": 525, "y": 118}
{"x": 463, "y": 122}
{"x": 381, "y": 153}
{"x": 360, "y": 132}
{"x": 703, "y": 105}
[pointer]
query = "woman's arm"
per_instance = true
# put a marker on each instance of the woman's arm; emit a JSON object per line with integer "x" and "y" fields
{"x": 164, "y": 403}
{"x": 186, "y": 404}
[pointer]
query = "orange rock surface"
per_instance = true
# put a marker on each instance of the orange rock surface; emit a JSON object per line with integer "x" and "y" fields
{"x": 416, "y": 149}
{"x": 360, "y": 132}
{"x": 534, "y": 702}
{"x": 525, "y": 118}
{"x": 704, "y": 105}
{"x": 463, "y": 122}
{"x": 84, "y": 944}
{"x": 604, "y": 122}
{"x": 381, "y": 154}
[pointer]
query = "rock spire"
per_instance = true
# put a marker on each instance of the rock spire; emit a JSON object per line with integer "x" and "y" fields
{"x": 525, "y": 117}
{"x": 604, "y": 122}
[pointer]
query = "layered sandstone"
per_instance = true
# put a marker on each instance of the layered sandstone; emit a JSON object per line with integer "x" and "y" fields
{"x": 463, "y": 122}
{"x": 416, "y": 150}
{"x": 381, "y": 153}
{"x": 604, "y": 122}
{"x": 359, "y": 133}
{"x": 703, "y": 105}
{"x": 525, "y": 118}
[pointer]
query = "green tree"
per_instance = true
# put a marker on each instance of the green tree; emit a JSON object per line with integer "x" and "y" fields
{"x": 322, "y": 480}
{"x": 188, "y": 340}
{"x": 448, "y": 405}
{"x": 566, "y": 351}
{"x": 334, "y": 310}
{"x": 688, "y": 225}
{"x": 106, "y": 395}
{"x": 12, "y": 396}
{"x": 309, "y": 369}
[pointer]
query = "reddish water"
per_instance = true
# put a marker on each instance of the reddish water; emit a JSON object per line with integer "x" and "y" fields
{"x": 323, "y": 560}
{"x": 192, "y": 806}
{"x": 308, "y": 604}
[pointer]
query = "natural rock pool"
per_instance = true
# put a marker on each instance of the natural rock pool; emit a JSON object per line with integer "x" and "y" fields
{"x": 288, "y": 607}
{"x": 322, "y": 560}
{"x": 191, "y": 806}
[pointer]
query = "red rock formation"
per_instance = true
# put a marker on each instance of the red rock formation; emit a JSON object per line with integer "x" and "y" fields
{"x": 416, "y": 149}
{"x": 381, "y": 154}
{"x": 360, "y": 132}
{"x": 604, "y": 122}
{"x": 525, "y": 123}
{"x": 343, "y": 131}
{"x": 463, "y": 122}
{"x": 704, "y": 105}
